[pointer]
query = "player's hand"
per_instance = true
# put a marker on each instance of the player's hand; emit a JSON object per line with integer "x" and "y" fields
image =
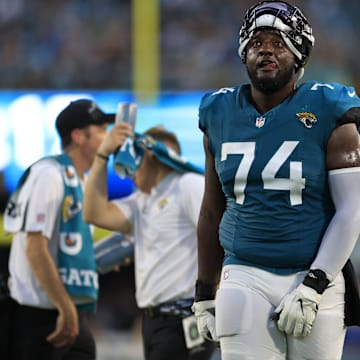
{"x": 127, "y": 261}
{"x": 205, "y": 317}
{"x": 67, "y": 327}
{"x": 297, "y": 311}
{"x": 115, "y": 138}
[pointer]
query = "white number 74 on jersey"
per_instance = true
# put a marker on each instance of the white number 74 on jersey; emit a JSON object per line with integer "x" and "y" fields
{"x": 294, "y": 184}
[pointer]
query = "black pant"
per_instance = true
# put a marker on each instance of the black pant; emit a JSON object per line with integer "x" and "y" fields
{"x": 31, "y": 327}
{"x": 7, "y": 306}
{"x": 163, "y": 339}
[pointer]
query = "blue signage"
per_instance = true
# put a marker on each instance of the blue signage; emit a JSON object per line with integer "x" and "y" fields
{"x": 27, "y": 127}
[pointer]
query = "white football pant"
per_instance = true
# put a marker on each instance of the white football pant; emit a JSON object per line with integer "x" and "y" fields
{"x": 245, "y": 302}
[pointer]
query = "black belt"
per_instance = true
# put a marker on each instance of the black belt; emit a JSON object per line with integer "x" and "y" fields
{"x": 180, "y": 308}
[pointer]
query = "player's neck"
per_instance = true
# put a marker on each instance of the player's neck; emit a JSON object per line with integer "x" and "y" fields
{"x": 265, "y": 102}
{"x": 80, "y": 164}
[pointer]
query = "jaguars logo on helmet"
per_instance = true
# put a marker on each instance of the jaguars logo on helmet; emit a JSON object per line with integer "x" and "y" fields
{"x": 288, "y": 19}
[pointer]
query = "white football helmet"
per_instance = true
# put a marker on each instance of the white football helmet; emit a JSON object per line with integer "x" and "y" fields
{"x": 287, "y": 19}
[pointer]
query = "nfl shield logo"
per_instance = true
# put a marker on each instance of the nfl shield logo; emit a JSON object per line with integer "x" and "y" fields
{"x": 260, "y": 121}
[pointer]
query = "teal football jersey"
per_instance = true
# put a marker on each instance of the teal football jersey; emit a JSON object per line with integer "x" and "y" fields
{"x": 272, "y": 168}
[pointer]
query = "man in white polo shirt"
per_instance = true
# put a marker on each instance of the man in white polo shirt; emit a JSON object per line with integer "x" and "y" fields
{"x": 162, "y": 216}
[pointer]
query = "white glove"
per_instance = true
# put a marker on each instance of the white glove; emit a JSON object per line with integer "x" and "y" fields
{"x": 205, "y": 317}
{"x": 297, "y": 311}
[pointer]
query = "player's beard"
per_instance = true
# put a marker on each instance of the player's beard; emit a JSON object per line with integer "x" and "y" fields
{"x": 269, "y": 85}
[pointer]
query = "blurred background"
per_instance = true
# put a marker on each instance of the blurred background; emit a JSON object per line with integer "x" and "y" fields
{"x": 70, "y": 44}
{"x": 163, "y": 54}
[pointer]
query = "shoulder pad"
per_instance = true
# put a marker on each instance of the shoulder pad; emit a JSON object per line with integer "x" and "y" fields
{"x": 211, "y": 97}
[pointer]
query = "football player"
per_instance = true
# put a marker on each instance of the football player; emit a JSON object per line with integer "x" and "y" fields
{"x": 280, "y": 214}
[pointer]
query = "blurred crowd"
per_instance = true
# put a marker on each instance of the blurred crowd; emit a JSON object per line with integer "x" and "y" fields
{"x": 78, "y": 44}
{"x": 53, "y": 44}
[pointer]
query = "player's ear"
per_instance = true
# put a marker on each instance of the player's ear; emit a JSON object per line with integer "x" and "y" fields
{"x": 76, "y": 135}
{"x": 147, "y": 157}
{"x": 150, "y": 156}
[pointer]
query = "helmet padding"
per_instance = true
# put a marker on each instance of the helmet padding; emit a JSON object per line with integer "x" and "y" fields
{"x": 288, "y": 20}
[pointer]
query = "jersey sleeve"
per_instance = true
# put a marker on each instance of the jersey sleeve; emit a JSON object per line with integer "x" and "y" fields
{"x": 211, "y": 100}
{"x": 45, "y": 199}
{"x": 340, "y": 99}
{"x": 127, "y": 206}
{"x": 204, "y": 103}
{"x": 192, "y": 190}
{"x": 346, "y": 99}
{"x": 215, "y": 110}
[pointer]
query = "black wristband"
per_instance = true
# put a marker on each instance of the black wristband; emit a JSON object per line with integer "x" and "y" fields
{"x": 204, "y": 291}
{"x": 102, "y": 156}
{"x": 317, "y": 280}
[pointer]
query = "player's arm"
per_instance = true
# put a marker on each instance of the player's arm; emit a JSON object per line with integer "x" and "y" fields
{"x": 41, "y": 218}
{"x": 343, "y": 162}
{"x": 98, "y": 210}
{"x": 46, "y": 272}
{"x": 210, "y": 252}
